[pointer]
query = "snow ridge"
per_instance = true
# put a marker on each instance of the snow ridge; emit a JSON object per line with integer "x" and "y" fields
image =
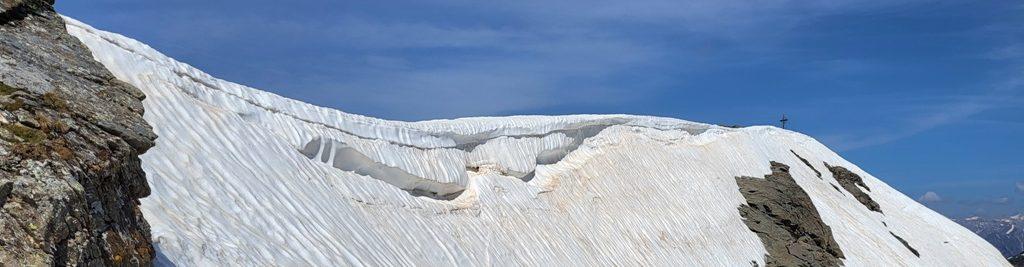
{"x": 245, "y": 177}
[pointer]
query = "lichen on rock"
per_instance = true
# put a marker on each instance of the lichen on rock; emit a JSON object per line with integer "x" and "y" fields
{"x": 70, "y": 136}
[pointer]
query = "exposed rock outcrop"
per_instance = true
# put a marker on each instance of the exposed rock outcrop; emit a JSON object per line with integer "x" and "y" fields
{"x": 808, "y": 163}
{"x": 905, "y": 244}
{"x": 781, "y": 213}
{"x": 853, "y": 184}
{"x": 70, "y": 136}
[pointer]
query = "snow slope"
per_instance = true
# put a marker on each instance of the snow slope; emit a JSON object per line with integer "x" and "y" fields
{"x": 245, "y": 177}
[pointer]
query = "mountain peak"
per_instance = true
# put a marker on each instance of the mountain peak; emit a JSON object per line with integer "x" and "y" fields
{"x": 253, "y": 178}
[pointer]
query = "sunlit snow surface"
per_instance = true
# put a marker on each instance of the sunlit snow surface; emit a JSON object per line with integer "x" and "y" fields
{"x": 242, "y": 177}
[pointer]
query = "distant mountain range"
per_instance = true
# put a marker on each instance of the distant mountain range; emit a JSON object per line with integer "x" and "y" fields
{"x": 1017, "y": 261}
{"x": 1006, "y": 234}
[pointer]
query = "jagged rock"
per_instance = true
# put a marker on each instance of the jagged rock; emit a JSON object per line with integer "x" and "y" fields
{"x": 807, "y": 163}
{"x": 70, "y": 178}
{"x": 853, "y": 183}
{"x": 5, "y": 190}
{"x": 781, "y": 213}
{"x": 27, "y": 120}
{"x": 906, "y": 244}
{"x": 16, "y": 9}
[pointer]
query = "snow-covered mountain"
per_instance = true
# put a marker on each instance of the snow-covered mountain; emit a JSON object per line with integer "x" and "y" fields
{"x": 245, "y": 177}
{"x": 1006, "y": 234}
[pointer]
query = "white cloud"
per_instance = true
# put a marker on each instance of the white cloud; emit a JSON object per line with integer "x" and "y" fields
{"x": 535, "y": 54}
{"x": 1020, "y": 187}
{"x": 1005, "y": 94}
{"x": 1011, "y": 52}
{"x": 930, "y": 197}
{"x": 544, "y": 49}
{"x": 526, "y": 55}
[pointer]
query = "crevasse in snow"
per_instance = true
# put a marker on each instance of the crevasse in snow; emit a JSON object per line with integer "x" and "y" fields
{"x": 245, "y": 177}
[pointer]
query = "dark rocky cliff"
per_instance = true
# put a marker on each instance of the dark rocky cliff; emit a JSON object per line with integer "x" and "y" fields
{"x": 70, "y": 136}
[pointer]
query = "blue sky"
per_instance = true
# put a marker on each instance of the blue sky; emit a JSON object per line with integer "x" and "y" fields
{"x": 927, "y": 95}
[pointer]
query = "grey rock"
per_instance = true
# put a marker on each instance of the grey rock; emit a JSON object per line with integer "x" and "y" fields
{"x": 782, "y": 215}
{"x": 5, "y": 190}
{"x": 853, "y": 184}
{"x": 17, "y": 9}
{"x": 27, "y": 119}
{"x": 71, "y": 180}
{"x": 905, "y": 244}
{"x": 807, "y": 163}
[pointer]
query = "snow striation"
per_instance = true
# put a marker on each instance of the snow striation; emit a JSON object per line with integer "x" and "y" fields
{"x": 245, "y": 177}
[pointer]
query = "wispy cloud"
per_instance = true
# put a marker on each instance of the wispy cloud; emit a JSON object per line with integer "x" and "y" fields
{"x": 1006, "y": 90}
{"x": 1004, "y": 94}
{"x": 432, "y": 59}
{"x": 1010, "y": 52}
{"x": 930, "y": 197}
{"x": 534, "y": 54}
{"x": 524, "y": 54}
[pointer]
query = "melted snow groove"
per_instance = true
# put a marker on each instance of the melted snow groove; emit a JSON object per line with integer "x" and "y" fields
{"x": 578, "y": 135}
{"x": 469, "y": 142}
{"x": 346, "y": 158}
{"x": 553, "y": 156}
{"x": 782, "y": 215}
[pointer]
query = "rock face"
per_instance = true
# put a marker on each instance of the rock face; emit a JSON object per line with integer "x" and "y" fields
{"x": 853, "y": 183}
{"x": 70, "y": 136}
{"x": 785, "y": 219}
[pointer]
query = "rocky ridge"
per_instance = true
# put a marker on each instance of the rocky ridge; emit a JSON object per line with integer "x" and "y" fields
{"x": 70, "y": 136}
